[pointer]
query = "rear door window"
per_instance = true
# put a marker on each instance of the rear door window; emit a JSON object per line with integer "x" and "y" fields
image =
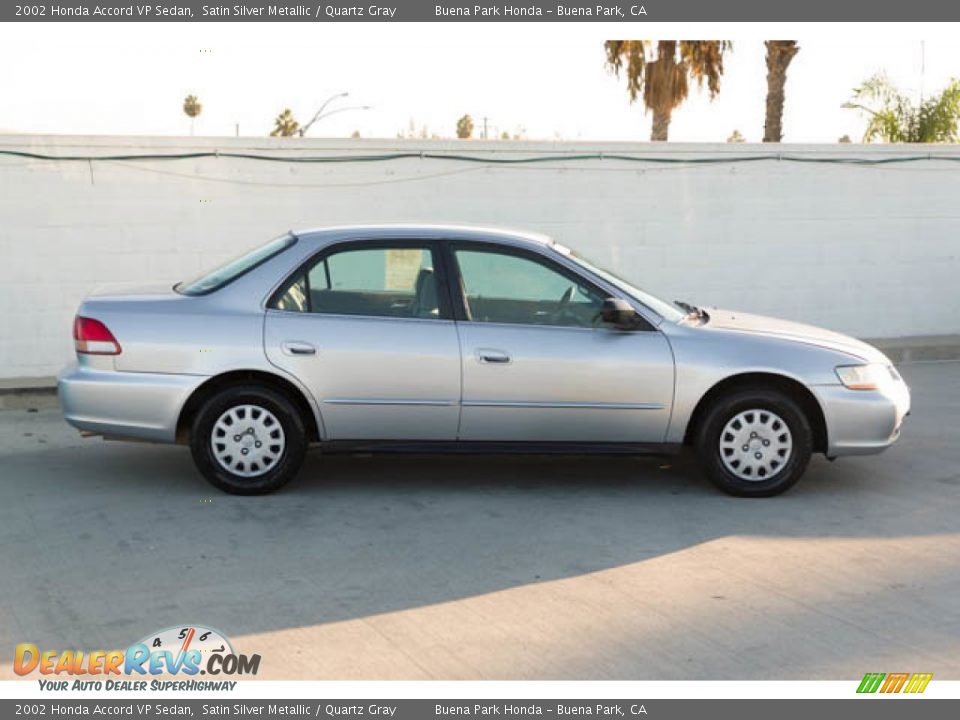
{"x": 398, "y": 282}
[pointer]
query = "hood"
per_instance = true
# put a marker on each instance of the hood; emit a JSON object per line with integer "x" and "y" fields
{"x": 797, "y": 332}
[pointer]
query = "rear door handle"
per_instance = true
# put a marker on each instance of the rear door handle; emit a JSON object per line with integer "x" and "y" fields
{"x": 296, "y": 347}
{"x": 489, "y": 355}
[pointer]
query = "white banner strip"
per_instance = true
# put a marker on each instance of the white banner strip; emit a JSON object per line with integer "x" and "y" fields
{"x": 641, "y": 690}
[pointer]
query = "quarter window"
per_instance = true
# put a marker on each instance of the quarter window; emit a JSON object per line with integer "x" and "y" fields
{"x": 501, "y": 287}
{"x": 381, "y": 282}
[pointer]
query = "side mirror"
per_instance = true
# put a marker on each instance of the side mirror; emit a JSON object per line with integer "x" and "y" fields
{"x": 619, "y": 313}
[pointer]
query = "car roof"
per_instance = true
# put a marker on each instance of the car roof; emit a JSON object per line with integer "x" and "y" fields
{"x": 467, "y": 233}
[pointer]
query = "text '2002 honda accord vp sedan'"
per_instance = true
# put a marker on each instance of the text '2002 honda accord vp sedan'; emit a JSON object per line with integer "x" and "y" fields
{"x": 463, "y": 339}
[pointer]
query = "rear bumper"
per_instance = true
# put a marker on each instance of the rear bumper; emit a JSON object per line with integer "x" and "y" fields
{"x": 141, "y": 406}
{"x": 862, "y": 422}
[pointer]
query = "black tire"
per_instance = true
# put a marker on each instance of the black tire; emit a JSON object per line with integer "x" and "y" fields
{"x": 282, "y": 468}
{"x": 707, "y": 442}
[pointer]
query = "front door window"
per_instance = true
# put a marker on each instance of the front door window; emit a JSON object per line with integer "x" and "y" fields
{"x": 501, "y": 287}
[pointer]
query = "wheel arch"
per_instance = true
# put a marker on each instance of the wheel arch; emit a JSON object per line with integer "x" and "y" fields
{"x": 791, "y": 387}
{"x": 217, "y": 383}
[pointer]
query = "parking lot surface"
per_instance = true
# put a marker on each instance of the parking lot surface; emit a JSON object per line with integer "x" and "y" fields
{"x": 412, "y": 567}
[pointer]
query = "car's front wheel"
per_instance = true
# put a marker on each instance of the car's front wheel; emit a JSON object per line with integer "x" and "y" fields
{"x": 248, "y": 440}
{"x": 754, "y": 442}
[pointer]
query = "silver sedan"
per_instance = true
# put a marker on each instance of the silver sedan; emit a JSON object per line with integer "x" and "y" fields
{"x": 455, "y": 339}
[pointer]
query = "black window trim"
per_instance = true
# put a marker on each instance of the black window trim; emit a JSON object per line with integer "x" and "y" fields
{"x": 459, "y": 299}
{"x": 404, "y": 243}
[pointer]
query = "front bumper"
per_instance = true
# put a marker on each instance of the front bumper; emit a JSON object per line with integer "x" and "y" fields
{"x": 140, "y": 406}
{"x": 862, "y": 422}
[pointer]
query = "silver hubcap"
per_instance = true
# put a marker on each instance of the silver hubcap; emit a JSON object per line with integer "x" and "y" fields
{"x": 755, "y": 445}
{"x": 247, "y": 440}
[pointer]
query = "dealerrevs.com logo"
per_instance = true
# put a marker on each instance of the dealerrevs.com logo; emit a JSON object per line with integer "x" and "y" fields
{"x": 188, "y": 650}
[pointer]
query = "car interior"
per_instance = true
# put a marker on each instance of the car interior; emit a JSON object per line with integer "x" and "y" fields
{"x": 375, "y": 286}
{"x": 419, "y": 302}
{"x": 402, "y": 283}
{"x": 561, "y": 311}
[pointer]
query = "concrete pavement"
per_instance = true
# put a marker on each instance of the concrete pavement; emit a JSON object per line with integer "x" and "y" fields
{"x": 497, "y": 567}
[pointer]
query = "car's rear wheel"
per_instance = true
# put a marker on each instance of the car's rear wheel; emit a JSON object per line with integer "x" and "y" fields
{"x": 248, "y": 440}
{"x": 754, "y": 442}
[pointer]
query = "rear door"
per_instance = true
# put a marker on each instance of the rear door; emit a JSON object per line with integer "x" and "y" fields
{"x": 539, "y": 366}
{"x": 367, "y": 327}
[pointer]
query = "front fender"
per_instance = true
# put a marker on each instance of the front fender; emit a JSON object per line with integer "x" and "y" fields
{"x": 706, "y": 358}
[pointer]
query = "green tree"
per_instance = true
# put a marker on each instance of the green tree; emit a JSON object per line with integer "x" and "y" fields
{"x": 892, "y": 117}
{"x": 779, "y": 55}
{"x": 192, "y": 109}
{"x": 736, "y": 137}
{"x": 285, "y": 125}
{"x": 465, "y": 127}
{"x": 663, "y": 78}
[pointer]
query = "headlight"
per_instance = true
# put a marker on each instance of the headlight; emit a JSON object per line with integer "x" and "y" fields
{"x": 865, "y": 377}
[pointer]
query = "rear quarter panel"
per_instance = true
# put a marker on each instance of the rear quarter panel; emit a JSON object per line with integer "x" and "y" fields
{"x": 195, "y": 335}
{"x": 192, "y": 338}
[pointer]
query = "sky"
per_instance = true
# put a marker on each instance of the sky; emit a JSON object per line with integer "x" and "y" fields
{"x": 547, "y": 81}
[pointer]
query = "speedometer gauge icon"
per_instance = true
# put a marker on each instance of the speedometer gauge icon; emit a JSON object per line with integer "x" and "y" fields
{"x": 183, "y": 638}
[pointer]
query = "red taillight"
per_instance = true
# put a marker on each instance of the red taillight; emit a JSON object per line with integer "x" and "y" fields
{"x": 92, "y": 337}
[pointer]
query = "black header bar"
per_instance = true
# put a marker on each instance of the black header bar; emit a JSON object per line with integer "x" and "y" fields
{"x": 628, "y": 13}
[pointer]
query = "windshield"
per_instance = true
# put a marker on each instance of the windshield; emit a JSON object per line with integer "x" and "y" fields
{"x": 666, "y": 310}
{"x": 216, "y": 279}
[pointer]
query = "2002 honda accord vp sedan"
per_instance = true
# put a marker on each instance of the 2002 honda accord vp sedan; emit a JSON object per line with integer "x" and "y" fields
{"x": 463, "y": 339}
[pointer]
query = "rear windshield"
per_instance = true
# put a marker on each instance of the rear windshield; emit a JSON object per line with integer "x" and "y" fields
{"x": 216, "y": 279}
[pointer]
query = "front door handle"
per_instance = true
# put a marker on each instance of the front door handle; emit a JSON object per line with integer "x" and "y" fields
{"x": 489, "y": 355}
{"x": 296, "y": 347}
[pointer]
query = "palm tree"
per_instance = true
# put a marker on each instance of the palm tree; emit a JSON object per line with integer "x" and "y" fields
{"x": 285, "y": 125}
{"x": 895, "y": 119}
{"x": 192, "y": 108}
{"x": 664, "y": 80}
{"x": 779, "y": 55}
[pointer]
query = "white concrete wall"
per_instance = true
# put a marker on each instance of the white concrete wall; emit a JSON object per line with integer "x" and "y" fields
{"x": 872, "y": 251}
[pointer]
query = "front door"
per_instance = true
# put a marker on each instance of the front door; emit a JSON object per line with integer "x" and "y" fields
{"x": 368, "y": 330}
{"x": 538, "y": 365}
